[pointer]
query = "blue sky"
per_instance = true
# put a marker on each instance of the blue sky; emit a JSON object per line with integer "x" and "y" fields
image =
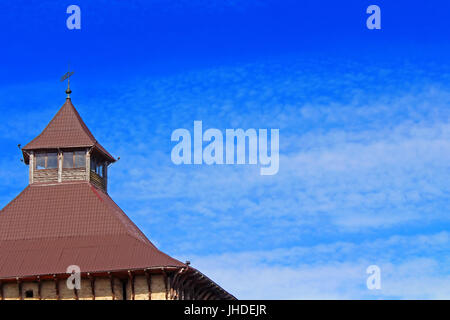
{"x": 364, "y": 123}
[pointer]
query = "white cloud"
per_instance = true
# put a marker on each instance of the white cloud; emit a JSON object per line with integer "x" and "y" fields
{"x": 336, "y": 271}
{"x": 351, "y": 160}
{"x": 361, "y": 158}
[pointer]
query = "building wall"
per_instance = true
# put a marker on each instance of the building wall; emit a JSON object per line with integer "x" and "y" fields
{"x": 85, "y": 293}
{"x": 158, "y": 288}
{"x": 97, "y": 181}
{"x": 140, "y": 288}
{"x": 45, "y": 175}
{"x": 48, "y": 290}
{"x": 61, "y": 174}
{"x": 103, "y": 291}
{"x": 10, "y": 291}
{"x": 73, "y": 174}
{"x": 33, "y": 286}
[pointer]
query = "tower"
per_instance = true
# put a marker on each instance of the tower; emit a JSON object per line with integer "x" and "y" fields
{"x": 66, "y": 218}
{"x": 67, "y": 151}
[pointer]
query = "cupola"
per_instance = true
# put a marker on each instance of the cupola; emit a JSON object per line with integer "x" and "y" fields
{"x": 67, "y": 151}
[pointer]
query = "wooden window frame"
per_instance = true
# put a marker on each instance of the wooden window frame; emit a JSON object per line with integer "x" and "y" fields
{"x": 75, "y": 157}
{"x": 102, "y": 166}
{"x": 45, "y": 154}
{"x": 95, "y": 164}
{"x": 74, "y": 160}
{"x": 64, "y": 155}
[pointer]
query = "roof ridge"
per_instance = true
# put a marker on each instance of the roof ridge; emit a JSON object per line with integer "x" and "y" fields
{"x": 81, "y": 122}
{"x": 53, "y": 183}
{"x": 14, "y": 199}
{"x": 131, "y": 229}
{"x": 45, "y": 129}
{"x": 123, "y": 219}
{"x": 66, "y": 129}
{"x": 159, "y": 251}
{"x": 83, "y": 126}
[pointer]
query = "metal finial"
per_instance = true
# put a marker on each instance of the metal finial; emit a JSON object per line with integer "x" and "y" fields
{"x": 67, "y": 76}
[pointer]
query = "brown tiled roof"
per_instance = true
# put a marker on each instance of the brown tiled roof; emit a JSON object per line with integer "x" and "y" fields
{"x": 66, "y": 130}
{"x": 49, "y": 227}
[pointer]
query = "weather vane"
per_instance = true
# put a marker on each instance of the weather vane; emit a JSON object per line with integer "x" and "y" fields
{"x": 67, "y": 76}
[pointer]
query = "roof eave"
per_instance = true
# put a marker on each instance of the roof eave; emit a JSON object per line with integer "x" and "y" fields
{"x": 97, "y": 147}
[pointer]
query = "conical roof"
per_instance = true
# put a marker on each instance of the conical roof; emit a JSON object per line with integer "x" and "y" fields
{"x": 66, "y": 130}
{"x": 52, "y": 226}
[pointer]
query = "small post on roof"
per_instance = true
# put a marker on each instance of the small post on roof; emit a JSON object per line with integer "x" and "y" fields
{"x": 19, "y": 284}
{"x": 39, "y": 287}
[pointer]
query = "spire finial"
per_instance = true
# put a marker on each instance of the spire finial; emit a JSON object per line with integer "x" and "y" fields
{"x": 67, "y": 76}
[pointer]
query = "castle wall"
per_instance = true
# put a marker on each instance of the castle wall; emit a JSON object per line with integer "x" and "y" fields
{"x": 158, "y": 288}
{"x": 103, "y": 289}
{"x": 140, "y": 288}
{"x": 10, "y": 291}
{"x": 85, "y": 293}
{"x": 30, "y": 286}
{"x": 48, "y": 290}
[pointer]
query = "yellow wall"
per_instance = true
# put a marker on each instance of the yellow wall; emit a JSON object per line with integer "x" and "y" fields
{"x": 102, "y": 289}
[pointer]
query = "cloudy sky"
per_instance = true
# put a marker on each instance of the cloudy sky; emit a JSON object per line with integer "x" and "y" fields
{"x": 364, "y": 120}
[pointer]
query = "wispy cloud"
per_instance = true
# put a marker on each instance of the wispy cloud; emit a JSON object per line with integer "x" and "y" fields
{"x": 347, "y": 164}
{"x": 337, "y": 270}
{"x": 363, "y": 178}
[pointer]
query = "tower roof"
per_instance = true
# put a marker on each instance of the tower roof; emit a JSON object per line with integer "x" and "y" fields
{"x": 66, "y": 130}
{"x": 50, "y": 227}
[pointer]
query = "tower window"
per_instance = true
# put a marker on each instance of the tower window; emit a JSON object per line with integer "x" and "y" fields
{"x": 40, "y": 161}
{"x": 46, "y": 161}
{"x": 29, "y": 294}
{"x": 74, "y": 160}
{"x": 52, "y": 160}
{"x": 68, "y": 160}
{"x": 99, "y": 170}
{"x": 97, "y": 167}
{"x": 93, "y": 165}
{"x": 80, "y": 159}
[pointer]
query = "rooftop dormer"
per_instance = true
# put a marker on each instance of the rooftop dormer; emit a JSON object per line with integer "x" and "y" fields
{"x": 67, "y": 151}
